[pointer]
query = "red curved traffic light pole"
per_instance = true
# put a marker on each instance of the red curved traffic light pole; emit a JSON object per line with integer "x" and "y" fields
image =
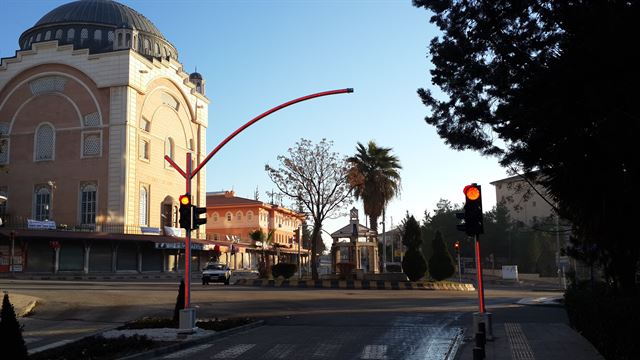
{"x": 189, "y": 173}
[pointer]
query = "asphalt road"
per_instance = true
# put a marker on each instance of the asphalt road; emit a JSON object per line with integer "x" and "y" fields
{"x": 330, "y": 323}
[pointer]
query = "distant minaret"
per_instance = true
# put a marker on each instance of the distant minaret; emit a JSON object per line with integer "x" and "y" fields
{"x": 196, "y": 79}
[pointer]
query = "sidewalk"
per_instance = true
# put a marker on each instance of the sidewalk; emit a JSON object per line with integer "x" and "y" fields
{"x": 534, "y": 328}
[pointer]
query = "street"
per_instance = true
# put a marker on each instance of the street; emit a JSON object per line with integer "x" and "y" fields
{"x": 319, "y": 323}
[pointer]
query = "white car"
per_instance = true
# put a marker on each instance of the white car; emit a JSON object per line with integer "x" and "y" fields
{"x": 216, "y": 272}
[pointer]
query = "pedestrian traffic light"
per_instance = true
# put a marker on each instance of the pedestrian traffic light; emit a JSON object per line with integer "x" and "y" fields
{"x": 456, "y": 247}
{"x": 473, "y": 221}
{"x": 196, "y": 219}
{"x": 185, "y": 211}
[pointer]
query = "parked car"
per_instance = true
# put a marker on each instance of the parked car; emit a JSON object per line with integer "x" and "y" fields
{"x": 216, "y": 272}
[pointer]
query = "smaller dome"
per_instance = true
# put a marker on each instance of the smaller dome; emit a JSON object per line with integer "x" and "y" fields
{"x": 195, "y": 76}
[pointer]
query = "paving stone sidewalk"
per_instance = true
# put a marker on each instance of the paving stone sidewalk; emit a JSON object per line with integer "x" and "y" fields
{"x": 535, "y": 331}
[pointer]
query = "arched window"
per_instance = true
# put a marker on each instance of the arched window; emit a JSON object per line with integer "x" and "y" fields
{"x": 157, "y": 50}
{"x": 97, "y": 35}
{"x": 84, "y": 35}
{"x": 249, "y": 215}
{"x": 147, "y": 46}
{"x": 59, "y": 34}
{"x": 110, "y": 37}
{"x": 44, "y": 142}
{"x": 42, "y": 203}
{"x": 88, "y": 203}
{"x": 128, "y": 40}
{"x": 120, "y": 40}
{"x": 215, "y": 217}
{"x": 228, "y": 215}
{"x": 169, "y": 147}
{"x": 38, "y": 37}
{"x": 71, "y": 33}
{"x": 47, "y": 35}
{"x": 144, "y": 206}
{"x": 239, "y": 216}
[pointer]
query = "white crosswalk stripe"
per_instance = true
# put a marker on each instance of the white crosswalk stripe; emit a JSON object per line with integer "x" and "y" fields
{"x": 186, "y": 352}
{"x": 377, "y": 352}
{"x": 328, "y": 351}
{"x": 234, "y": 351}
{"x": 280, "y": 351}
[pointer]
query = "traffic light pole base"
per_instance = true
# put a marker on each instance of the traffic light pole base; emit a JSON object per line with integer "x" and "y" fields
{"x": 485, "y": 318}
{"x": 187, "y": 321}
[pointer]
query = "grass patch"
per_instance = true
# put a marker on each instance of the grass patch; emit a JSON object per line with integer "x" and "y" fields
{"x": 98, "y": 348}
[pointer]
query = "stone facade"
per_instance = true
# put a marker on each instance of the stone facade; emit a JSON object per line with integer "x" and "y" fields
{"x": 114, "y": 116}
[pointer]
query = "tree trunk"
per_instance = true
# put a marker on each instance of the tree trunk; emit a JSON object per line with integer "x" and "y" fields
{"x": 314, "y": 245}
{"x": 373, "y": 223}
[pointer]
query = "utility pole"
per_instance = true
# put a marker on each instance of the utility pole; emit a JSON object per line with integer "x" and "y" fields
{"x": 384, "y": 242}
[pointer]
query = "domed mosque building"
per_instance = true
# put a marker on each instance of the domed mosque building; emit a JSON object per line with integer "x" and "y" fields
{"x": 90, "y": 104}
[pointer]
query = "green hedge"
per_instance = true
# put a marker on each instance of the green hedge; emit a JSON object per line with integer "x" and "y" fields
{"x": 608, "y": 321}
{"x": 283, "y": 269}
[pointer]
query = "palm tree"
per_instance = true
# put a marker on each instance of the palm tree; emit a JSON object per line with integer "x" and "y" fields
{"x": 374, "y": 178}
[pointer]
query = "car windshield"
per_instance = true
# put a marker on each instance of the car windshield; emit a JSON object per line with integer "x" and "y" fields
{"x": 215, "y": 267}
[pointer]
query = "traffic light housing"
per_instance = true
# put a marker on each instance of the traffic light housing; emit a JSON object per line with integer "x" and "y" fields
{"x": 472, "y": 215}
{"x": 456, "y": 247}
{"x": 185, "y": 211}
{"x": 196, "y": 220}
{"x": 473, "y": 210}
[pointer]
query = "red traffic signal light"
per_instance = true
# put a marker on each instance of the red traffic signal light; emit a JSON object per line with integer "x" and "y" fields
{"x": 185, "y": 199}
{"x": 472, "y": 192}
{"x": 456, "y": 245}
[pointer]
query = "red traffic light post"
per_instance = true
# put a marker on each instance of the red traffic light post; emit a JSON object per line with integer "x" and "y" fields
{"x": 473, "y": 226}
{"x": 188, "y": 315}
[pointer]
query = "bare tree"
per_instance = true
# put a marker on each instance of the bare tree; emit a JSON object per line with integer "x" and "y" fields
{"x": 317, "y": 178}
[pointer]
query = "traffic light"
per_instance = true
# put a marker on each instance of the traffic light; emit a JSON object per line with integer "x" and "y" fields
{"x": 196, "y": 220}
{"x": 456, "y": 247}
{"x": 185, "y": 211}
{"x": 473, "y": 210}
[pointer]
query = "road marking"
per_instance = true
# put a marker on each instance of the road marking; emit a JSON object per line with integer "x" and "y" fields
{"x": 234, "y": 351}
{"x": 377, "y": 352}
{"x": 520, "y": 349}
{"x": 184, "y": 353}
{"x": 326, "y": 351}
{"x": 29, "y": 340}
{"x": 280, "y": 351}
{"x": 50, "y": 346}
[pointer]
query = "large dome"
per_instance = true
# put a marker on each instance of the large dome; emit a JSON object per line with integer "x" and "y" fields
{"x": 91, "y": 24}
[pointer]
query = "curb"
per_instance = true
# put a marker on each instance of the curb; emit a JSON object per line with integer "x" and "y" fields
{"x": 355, "y": 284}
{"x": 154, "y": 353}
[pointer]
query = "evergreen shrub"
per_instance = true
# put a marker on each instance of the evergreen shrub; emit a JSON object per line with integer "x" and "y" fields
{"x": 345, "y": 269}
{"x": 179, "y": 303}
{"x": 11, "y": 332}
{"x": 285, "y": 270}
{"x": 607, "y": 320}
{"x": 414, "y": 264}
{"x": 441, "y": 263}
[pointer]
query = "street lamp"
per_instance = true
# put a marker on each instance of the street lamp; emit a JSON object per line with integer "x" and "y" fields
{"x": 53, "y": 186}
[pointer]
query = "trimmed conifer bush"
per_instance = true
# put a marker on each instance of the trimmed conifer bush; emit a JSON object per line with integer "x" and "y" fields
{"x": 11, "y": 333}
{"x": 413, "y": 264}
{"x": 441, "y": 263}
{"x": 179, "y": 303}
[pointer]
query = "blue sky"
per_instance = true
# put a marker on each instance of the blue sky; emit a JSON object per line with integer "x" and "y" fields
{"x": 255, "y": 55}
